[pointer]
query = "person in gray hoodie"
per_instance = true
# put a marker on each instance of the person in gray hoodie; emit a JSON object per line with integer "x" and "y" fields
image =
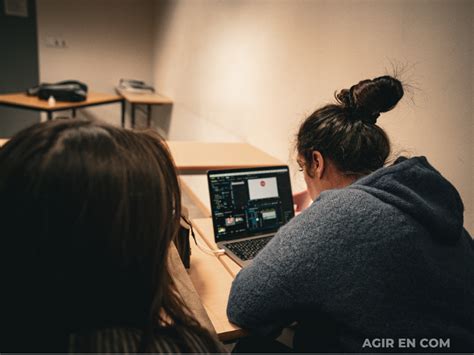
{"x": 380, "y": 260}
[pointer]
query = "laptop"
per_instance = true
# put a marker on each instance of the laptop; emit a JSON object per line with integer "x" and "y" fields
{"x": 248, "y": 207}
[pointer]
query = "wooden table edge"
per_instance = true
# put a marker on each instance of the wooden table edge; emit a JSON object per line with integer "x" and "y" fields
{"x": 203, "y": 169}
{"x": 140, "y": 99}
{"x": 64, "y": 105}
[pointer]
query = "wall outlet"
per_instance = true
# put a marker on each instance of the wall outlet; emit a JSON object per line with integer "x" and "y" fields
{"x": 55, "y": 42}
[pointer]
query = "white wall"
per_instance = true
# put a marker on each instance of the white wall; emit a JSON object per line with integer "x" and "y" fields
{"x": 106, "y": 40}
{"x": 251, "y": 70}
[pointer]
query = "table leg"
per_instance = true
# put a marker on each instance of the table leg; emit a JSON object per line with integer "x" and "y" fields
{"x": 50, "y": 115}
{"x": 73, "y": 113}
{"x": 122, "y": 108}
{"x": 148, "y": 115}
{"x": 133, "y": 115}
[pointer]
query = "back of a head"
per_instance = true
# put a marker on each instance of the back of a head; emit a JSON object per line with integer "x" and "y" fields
{"x": 346, "y": 132}
{"x": 88, "y": 213}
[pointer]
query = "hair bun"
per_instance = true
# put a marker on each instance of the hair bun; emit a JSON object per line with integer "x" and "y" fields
{"x": 367, "y": 99}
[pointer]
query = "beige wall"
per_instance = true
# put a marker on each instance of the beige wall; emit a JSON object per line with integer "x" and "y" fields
{"x": 106, "y": 40}
{"x": 251, "y": 70}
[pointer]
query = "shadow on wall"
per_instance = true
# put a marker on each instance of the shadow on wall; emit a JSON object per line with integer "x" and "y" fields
{"x": 163, "y": 11}
{"x": 161, "y": 115}
{"x": 160, "y": 119}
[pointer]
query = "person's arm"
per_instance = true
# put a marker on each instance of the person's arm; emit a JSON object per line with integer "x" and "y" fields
{"x": 259, "y": 301}
{"x": 263, "y": 298}
{"x": 288, "y": 278}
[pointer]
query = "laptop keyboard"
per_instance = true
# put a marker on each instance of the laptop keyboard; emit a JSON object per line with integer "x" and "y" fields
{"x": 247, "y": 249}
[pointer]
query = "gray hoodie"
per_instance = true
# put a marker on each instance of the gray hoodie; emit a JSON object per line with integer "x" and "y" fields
{"x": 385, "y": 258}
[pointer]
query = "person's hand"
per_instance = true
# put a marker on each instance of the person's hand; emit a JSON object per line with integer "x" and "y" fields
{"x": 301, "y": 200}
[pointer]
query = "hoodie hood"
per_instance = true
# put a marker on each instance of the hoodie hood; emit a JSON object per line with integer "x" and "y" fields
{"x": 419, "y": 190}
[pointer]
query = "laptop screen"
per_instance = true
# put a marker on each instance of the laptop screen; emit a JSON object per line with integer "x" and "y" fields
{"x": 249, "y": 202}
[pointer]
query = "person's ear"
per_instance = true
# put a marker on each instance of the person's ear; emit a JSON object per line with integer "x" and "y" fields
{"x": 318, "y": 164}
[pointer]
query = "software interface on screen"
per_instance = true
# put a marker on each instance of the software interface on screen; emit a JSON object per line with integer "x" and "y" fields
{"x": 249, "y": 203}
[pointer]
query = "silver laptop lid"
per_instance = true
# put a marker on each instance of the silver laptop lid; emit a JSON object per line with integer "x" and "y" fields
{"x": 249, "y": 202}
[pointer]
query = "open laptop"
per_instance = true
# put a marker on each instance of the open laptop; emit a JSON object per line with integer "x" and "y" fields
{"x": 248, "y": 206}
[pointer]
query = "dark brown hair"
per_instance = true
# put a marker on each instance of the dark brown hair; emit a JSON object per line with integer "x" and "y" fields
{"x": 88, "y": 213}
{"x": 346, "y": 132}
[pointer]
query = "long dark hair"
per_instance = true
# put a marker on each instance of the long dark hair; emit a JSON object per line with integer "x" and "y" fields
{"x": 346, "y": 132}
{"x": 88, "y": 213}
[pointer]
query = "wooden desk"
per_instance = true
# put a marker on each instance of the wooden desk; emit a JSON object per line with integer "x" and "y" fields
{"x": 143, "y": 99}
{"x": 23, "y": 101}
{"x": 212, "y": 283}
{"x": 198, "y": 157}
{"x": 212, "y": 275}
